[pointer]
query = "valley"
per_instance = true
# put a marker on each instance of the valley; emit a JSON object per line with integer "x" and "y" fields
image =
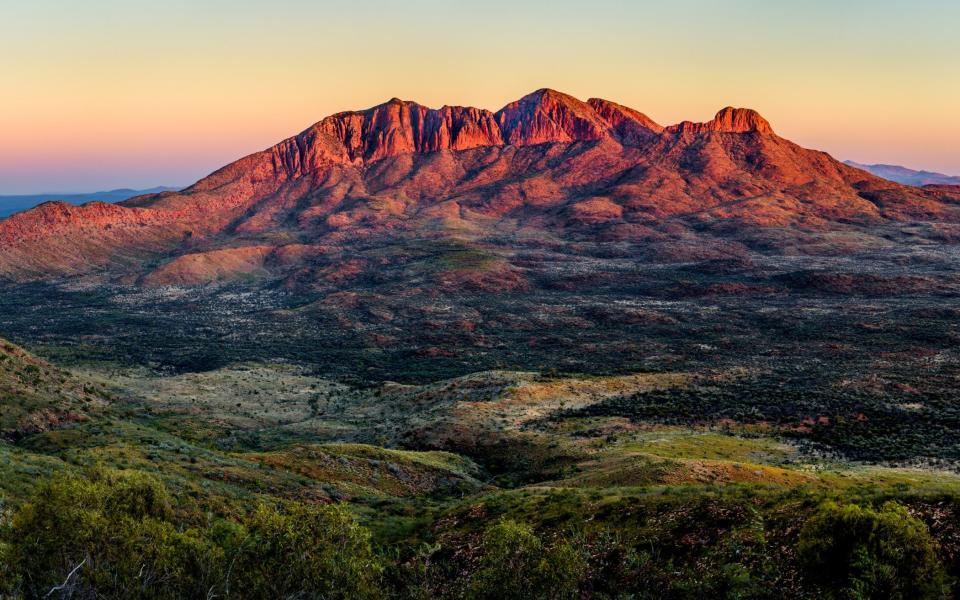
{"x": 689, "y": 463}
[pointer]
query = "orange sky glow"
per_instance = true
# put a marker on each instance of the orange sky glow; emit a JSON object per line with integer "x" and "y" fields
{"x": 104, "y": 94}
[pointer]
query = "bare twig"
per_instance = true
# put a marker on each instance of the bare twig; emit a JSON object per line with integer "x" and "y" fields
{"x": 66, "y": 581}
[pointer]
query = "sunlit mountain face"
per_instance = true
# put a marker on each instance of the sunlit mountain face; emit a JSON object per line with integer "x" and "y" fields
{"x": 464, "y": 239}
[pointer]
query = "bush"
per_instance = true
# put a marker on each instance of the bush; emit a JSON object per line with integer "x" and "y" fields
{"x": 305, "y": 552}
{"x": 859, "y": 553}
{"x": 114, "y": 536}
{"x": 107, "y": 537}
{"x": 516, "y": 564}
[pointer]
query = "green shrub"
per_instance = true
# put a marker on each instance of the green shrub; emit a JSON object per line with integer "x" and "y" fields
{"x": 114, "y": 535}
{"x": 859, "y": 553}
{"x": 108, "y": 537}
{"x": 308, "y": 552}
{"x": 516, "y": 564}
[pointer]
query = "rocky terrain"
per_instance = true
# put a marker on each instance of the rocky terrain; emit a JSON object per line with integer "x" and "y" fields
{"x": 35, "y": 396}
{"x": 409, "y": 243}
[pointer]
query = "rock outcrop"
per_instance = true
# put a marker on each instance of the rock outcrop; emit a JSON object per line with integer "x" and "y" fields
{"x": 728, "y": 120}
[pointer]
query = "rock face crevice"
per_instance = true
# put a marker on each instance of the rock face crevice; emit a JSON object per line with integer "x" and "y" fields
{"x": 545, "y": 116}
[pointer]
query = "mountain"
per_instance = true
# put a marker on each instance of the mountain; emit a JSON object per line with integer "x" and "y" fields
{"x": 906, "y": 176}
{"x": 13, "y": 204}
{"x": 547, "y": 167}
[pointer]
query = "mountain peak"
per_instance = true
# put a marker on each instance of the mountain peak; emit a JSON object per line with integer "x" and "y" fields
{"x": 905, "y": 175}
{"x": 399, "y": 127}
{"x": 728, "y": 120}
{"x": 549, "y": 93}
{"x": 547, "y": 115}
{"x": 402, "y": 127}
{"x": 740, "y": 120}
{"x": 586, "y": 168}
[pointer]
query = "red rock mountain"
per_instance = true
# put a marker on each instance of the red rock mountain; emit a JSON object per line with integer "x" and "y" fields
{"x": 547, "y": 167}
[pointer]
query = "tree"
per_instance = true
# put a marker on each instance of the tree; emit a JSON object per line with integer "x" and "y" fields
{"x": 859, "y": 553}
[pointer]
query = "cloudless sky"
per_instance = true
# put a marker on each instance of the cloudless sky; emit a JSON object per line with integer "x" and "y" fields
{"x": 98, "y": 94}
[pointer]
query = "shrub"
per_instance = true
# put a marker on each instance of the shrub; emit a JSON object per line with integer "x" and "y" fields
{"x": 304, "y": 552}
{"x": 516, "y": 564}
{"x": 108, "y": 537}
{"x": 859, "y": 553}
{"x": 114, "y": 536}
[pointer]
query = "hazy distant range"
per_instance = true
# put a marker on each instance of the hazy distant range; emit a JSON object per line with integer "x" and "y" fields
{"x": 907, "y": 176}
{"x": 12, "y": 204}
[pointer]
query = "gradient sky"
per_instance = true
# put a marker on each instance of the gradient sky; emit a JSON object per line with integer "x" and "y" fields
{"x": 99, "y": 94}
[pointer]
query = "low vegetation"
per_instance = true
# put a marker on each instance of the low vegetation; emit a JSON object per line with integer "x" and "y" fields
{"x": 268, "y": 481}
{"x": 121, "y": 534}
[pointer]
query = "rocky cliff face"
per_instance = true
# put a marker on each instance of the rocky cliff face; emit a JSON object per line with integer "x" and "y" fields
{"x": 547, "y": 165}
{"x": 548, "y": 116}
{"x": 728, "y": 120}
{"x": 398, "y": 127}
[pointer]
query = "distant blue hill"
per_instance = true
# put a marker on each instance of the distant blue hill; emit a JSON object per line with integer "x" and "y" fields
{"x": 907, "y": 176}
{"x": 14, "y": 204}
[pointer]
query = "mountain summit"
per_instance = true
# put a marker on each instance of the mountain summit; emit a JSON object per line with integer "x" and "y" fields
{"x": 402, "y": 127}
{"x": 545, "y": 116}
{"x": 730, "y": 120}
{"x": 547, "y": 166}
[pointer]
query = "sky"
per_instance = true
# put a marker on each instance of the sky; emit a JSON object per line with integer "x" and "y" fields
{"x": 101, "y": 94}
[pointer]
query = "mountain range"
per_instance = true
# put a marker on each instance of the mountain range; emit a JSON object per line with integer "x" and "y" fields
{"x": 907, "y": 176}
{"x": 546, "y": 171}
{"x": 16, "y": 203}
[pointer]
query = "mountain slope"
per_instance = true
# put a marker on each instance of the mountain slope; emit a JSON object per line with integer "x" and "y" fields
{"x": 36, "y": 396}
{"x": 547, "y": 166}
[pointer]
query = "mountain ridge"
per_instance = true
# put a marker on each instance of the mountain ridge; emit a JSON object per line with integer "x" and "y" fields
{"x": 547, "y": 165}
